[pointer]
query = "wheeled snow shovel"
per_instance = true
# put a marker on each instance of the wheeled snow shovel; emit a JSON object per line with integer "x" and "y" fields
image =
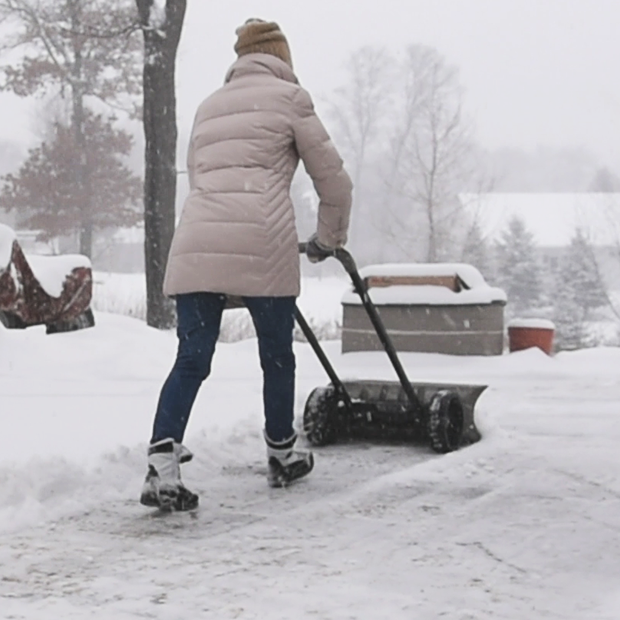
{"x": 440, "y": 413}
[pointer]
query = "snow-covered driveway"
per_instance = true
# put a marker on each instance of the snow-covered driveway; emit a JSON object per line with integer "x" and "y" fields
{"x": 525, "y": 524}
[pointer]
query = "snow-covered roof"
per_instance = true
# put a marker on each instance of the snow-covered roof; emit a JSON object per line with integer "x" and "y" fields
{"x": 475, "y": 290}
{"x": 7, "y": 236}
{"x": 551, "y": 217}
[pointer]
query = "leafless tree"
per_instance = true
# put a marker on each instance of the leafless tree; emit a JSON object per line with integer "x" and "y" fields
{"x": 429, "y": 161}
{"x": 359, "y": 105}
{"x": 359, "y": 113}
{"x": 406, "y": 140}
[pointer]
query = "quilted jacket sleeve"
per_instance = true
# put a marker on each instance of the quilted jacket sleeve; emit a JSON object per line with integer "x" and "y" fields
{"x": 326, "y": 169}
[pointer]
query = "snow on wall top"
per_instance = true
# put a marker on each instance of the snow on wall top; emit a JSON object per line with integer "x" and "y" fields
{"x": 478, "y": 291}
{"x": 7, "y": 236}
{"x": 427, "y": 295}
{"x": 532, "y": 323}
{"x": 51, "y": 271}
{"x": 469, "y": 274}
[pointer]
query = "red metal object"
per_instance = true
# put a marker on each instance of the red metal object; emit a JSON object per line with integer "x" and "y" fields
{"x": 24, "y": 302}
{"x": 526, "y": 337}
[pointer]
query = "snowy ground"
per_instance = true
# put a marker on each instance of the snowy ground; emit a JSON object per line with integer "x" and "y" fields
{"x": 523, "y": 525}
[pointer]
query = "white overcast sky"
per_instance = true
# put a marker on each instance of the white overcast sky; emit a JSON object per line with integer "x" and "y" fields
{"x": 536, "y": 72}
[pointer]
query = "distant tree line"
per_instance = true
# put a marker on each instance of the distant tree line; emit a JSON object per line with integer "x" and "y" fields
{"x": 570, "y": 290}
{"x": 399, "y": 122}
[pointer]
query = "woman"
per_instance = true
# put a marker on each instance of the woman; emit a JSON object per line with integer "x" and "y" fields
{"x": 237, "y": 237}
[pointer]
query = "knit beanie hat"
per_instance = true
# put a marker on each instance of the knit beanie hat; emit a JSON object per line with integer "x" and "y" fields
{"x": 258, "y": 36}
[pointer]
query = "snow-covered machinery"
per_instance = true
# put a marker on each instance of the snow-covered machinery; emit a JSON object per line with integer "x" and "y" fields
{"x": 441, "y": 413}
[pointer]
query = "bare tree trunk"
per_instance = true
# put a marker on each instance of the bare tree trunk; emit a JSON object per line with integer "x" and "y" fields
{"x": 358, "y": 115}
{"x": 81, "y": 173}
{"x": 431, "y": 254}
{"x": 82, "y": 180}
{"x": 160, "y": 131}
{"x": 431, "y": 207}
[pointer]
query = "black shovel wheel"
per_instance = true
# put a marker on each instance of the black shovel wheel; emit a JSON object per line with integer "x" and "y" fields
{"x": 445, "y": 421}
{"x": 319, "y": 416}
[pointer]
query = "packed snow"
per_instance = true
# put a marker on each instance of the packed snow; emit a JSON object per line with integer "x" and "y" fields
{"x": 523, "y": 524}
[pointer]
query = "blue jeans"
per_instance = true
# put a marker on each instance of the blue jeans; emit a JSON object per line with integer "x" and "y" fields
{"x": 199, "y": 316}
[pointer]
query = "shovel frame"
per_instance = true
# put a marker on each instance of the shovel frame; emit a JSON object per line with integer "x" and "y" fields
{"x": 424, "y": 405}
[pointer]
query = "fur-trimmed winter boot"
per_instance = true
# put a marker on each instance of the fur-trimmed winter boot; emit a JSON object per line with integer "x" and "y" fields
{"x": 163, "y": 487}
{"x": 286, "y": 465}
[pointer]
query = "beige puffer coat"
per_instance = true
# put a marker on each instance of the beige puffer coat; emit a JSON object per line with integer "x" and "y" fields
{"x": 237, "y": 231}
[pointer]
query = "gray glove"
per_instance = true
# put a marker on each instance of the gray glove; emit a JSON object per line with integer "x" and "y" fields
{"x": 317, "y": 252}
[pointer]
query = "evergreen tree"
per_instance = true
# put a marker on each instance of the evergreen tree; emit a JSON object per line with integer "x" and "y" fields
{"x": 570, "y": 329}
{"x": 518, "y": 270}
{"x": 579, "y": 291}
{"x": 605, "y": 181}
{"x": 44, "y": 193}
{"x": 476, "y": 250}
{"x": 80, "y": 51}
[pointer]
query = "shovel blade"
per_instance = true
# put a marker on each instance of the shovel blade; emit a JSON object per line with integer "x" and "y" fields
{"x": 388, "y": 397}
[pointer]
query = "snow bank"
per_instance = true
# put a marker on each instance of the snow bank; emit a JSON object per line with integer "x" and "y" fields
{"x": 51, "y": 271}
{"x": 7, "y": 237}
{"x": 50, "y": 488}
{"x": 475, "y": 291}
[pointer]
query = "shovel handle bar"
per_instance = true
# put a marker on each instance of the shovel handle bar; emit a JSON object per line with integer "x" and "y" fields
{"x": 347, "y": 261}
